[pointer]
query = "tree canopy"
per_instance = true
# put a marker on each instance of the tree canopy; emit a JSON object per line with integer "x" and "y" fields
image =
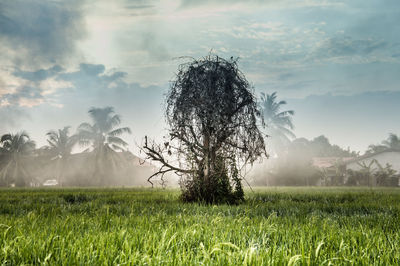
{"x": 392, "y": 142}
{"x": 14, "y": 147}
{"x": 279, "y": 123}
{"x": 60, "y": 145}
{"x": 105, "y": 139}
{"x": 213, "y": 120}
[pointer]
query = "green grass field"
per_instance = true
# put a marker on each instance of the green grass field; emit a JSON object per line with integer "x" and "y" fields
{"x": 278, "y": 226}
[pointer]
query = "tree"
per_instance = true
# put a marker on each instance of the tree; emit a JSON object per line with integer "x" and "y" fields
{"x": 60, "y": 147}
{"x": 212, "y": 116}
{"x": 14, "y": 149}
{"x": 386, "y": 175}
{"x": 321, "y": 147}
{"x": 376, "y": 148}
{"x": 104, "y": 138}
{"x": 279, "y": 123}
{"x": 392, "y": 142}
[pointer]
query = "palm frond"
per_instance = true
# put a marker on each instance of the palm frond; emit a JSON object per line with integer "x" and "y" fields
{"x": 85, "y": 127}
{"x": 120, "y": 131}
{"x": 101, "y": 117}
{"x": 116, "y": 147}
{"x": 116, "y": 141}
{"x": 114, "y": 121}
{"x": 6, "y": 137}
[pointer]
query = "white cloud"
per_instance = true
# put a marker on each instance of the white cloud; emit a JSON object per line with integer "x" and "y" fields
{"x": 52, "y": 85}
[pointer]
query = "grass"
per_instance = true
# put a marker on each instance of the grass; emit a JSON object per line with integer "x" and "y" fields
{"x": 276, "y": 226}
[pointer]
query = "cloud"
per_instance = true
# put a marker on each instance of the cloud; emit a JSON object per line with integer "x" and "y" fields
{"x": 90, "y": 83}
{"x": 154, "y": 47}
{"x": 3, "y": 89}
{"x": 31, "y": 88}
{"x": 24, "y": 96}
{"x": 138, "y": 6}
{"x": 348, "y": 46}
{"x": 93, "y": 85}
{"x": 65, "y": 96}
{"x": 91, "y": 78}
{"x": 274, "y": 3}
{"x": 40, "y": 32}
{"x": 194, "y": 3}
{"x": 92, "y": 70}
{"x": 11, "y": 117}
{"x": 96, "y": 85}
{"x": 38, "y": 75}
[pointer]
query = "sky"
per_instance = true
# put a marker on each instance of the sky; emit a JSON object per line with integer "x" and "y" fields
{"x": 336, "y": 63}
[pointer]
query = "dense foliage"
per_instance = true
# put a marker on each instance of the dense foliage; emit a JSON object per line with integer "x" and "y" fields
{"x": 213, "y": 120}
{"x": 318, "y": 147}
{"x": 14, "y": 153}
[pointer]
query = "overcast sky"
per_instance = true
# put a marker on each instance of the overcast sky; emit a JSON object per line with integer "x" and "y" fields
{"x": 336, "y": 63}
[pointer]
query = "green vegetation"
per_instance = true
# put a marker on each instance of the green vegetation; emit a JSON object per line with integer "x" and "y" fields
{"x": 279, "y": 226}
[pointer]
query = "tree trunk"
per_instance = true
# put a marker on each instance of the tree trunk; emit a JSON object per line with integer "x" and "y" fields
{"x": 207, "y": 161}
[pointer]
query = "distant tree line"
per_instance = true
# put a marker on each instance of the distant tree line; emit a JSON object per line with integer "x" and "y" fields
{"x": 295, "y": 165}
{"x": 101, "y": 138}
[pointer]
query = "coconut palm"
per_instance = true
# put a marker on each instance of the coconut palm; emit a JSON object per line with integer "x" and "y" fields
{"x": 60, "y": 147}
{"x": 104, "y": 138}
{"x": 279, "y": 123}
{"x": 392, "y": 142}
{"x": 14, "y": 149}
{"x": 376, "y": 148}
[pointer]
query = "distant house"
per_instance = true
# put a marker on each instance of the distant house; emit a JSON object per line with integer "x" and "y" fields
{"x": 334, "y": 169}
{"x": 376, "y": 160}
{"x": 389, "y": 156}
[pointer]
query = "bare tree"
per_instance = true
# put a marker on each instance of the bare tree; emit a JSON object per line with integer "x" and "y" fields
{"x": 213, "y": 120}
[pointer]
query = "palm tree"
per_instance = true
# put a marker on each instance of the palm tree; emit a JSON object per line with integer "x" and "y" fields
{"x": 60, "y": 146}
{"x": 104, "y": 138}
{"x": 279, "y": 123}
{"x": 14, "y": 149}
{"x": 392, "y": 142}
{"x": 376, "y": 148}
